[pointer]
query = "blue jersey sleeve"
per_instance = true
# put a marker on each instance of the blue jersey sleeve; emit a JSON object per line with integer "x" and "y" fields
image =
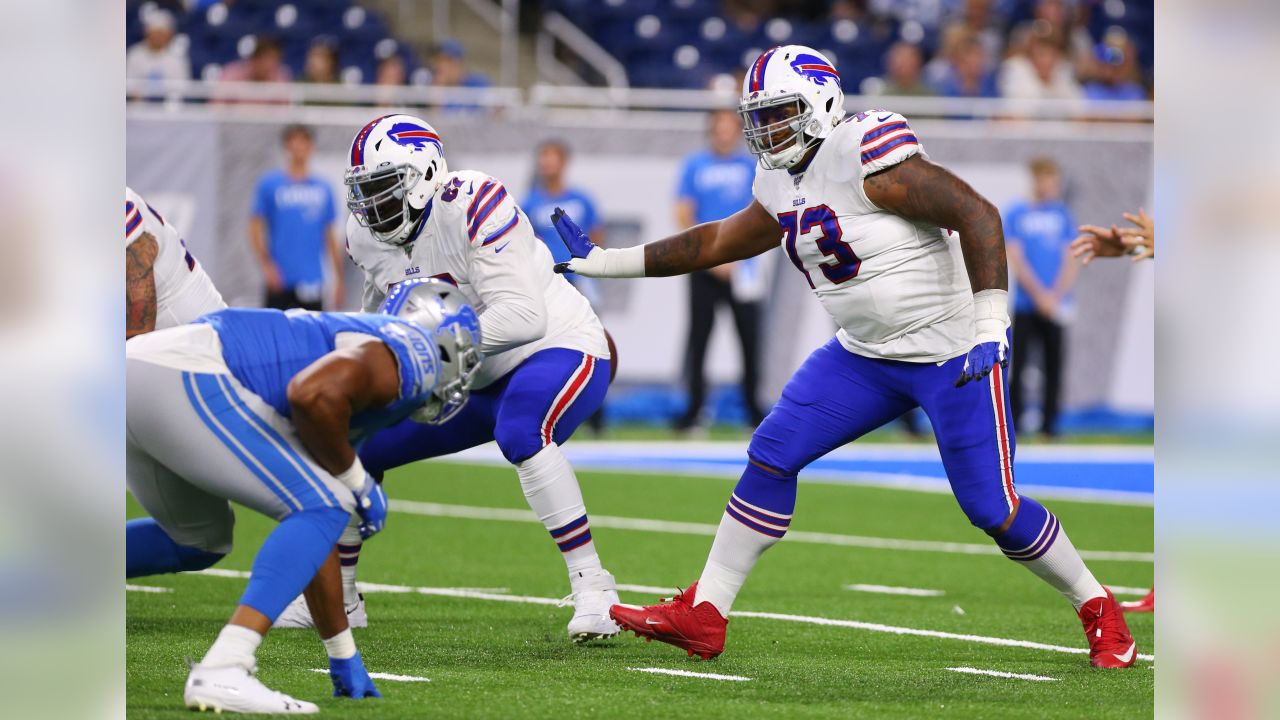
{"x": 687, "y": 189}
{"x": 262, "y": 198}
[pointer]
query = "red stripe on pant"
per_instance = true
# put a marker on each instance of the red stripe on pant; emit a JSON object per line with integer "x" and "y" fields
{"x": 1002, "y": 434}
{"x": 575, "y": 386}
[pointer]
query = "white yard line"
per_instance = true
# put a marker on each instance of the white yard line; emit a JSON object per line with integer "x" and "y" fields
{"x": 1122, "y": 590}
{"x": 690, "y": 674}
{"x": 807, "y": 619}
{"x": 892, "y": 590}
{"x": 147, "y": 588}
{"x": 999, "y": 674}
{"x": 470, "y": 512}
{"x": 652, "y": 589}
{"x": 384, "y": 676}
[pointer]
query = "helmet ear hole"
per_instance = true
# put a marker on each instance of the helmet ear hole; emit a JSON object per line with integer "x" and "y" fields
{"x": 431, "y": 171}
{"x": 830, "y": 102}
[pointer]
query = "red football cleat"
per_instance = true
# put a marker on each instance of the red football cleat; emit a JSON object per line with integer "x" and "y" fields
{"x": 1110, "y": 644}
{"x": 1146, "y": 604}
{"x": 698, "y": 630}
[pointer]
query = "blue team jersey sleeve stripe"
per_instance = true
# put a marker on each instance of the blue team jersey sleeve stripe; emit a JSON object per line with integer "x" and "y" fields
{"x": 886, "y": 148}
{"x": 515, "y": 218}
{"x": 883, "y": 130}
{"x": 483, "y": 213}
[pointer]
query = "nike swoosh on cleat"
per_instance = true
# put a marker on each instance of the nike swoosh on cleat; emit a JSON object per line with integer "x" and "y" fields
{"x": 1128, "y": 655}
{"x": 650, "y": 621}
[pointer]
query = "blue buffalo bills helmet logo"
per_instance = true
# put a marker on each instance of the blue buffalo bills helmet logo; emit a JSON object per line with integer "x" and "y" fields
{"x": 814, "y": 68}
{"x": 414, "y": 136}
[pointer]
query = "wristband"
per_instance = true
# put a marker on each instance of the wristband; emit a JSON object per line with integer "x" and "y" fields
{"x": 618, "y": 262}
{"x": 991, "y": 315}
{"x": 353, "y": 477}
{"x": 341, "y": 646}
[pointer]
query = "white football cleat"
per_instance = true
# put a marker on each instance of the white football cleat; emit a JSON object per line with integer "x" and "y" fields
{"x": 594, "y": 592}
{"x": 298, "y": 615}
{"x": 235, "y": 689}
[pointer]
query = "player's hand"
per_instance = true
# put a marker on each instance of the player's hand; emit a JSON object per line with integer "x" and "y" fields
{"x": 991, "y": 347}
{"x": 1095, "y": 241}
{"x": 1140, "y": 241}
{"x": 371, "y": 506}
{"x": 578, "y": 242}
{"x": 350, "y": 679}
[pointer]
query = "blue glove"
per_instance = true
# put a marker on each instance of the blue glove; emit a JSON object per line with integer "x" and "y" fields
{"x": 371, "y": 506}
{"x": 350, "y": 679}
{"x": 578, "y": 242}
{"x": 982, "y": 359}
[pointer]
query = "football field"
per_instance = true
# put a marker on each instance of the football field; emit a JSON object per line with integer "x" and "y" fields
{"x": 881, "y": 602}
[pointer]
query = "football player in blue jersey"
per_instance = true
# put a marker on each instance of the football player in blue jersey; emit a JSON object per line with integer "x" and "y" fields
{"x": 266, "y": 408}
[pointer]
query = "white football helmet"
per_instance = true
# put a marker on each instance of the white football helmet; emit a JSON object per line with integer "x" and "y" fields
{"x": 440, "y": 309}
{"x": 397, "y": 164}
{"x": 791, "y": 99}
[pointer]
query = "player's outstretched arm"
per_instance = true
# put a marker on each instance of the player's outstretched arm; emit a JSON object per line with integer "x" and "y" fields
{"x": 919, "y": 190}
{"x": 747, "y": 233}
{"x": 140, "y": 285}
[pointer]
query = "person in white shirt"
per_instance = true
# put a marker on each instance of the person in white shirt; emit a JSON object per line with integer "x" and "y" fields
{"x": 157, "y": 58}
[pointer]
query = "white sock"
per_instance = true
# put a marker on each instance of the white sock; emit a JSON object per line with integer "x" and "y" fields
{"x": 341, "y": 646}
{"x": 235, "y": 645}
{"x": 349, "y": 544}
{"x": 733, "y": 554}
{"x": 552, "y": 491}
{"x": 1062, "y": 567}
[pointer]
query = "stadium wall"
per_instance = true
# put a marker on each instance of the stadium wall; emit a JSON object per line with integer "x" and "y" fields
{"x": 201, "y": 165}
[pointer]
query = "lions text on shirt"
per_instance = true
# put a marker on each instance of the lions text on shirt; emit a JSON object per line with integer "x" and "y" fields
{"x": 474, "y": 237}
{"x": 183, "y": 291}
{"x": 897, "y": 289}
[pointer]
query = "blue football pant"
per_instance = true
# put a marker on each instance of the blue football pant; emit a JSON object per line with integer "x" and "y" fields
{"x": 542, "y": 401}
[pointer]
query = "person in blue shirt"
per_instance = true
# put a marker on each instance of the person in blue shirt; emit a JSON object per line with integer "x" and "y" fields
{"x": 291, "y": 230}
{"x": 449, "y": 69}
{"x": 1038, "y": 235}
{"x": 714, "y": 184}
{"x": 550, "y": 191}
{"x": 1114, "y": 77}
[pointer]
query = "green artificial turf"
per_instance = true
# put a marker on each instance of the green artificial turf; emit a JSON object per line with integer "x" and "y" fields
{"x": 490, "y": 659}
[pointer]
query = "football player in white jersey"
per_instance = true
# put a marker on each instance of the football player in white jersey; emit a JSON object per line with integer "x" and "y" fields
{"x": 164, "y": 285}
{"x": 546, "y": 360}
{"x": 870, "y": 223}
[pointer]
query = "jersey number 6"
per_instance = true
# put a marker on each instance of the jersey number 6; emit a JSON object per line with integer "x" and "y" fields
{"x": 844, "y": 263}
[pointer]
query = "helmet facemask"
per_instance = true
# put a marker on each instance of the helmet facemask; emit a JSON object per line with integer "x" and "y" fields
{"x": 775, "y": 129}
{"x": 379, "y": 199}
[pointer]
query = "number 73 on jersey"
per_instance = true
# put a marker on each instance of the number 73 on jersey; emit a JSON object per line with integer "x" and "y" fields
{"x": 841, "y": 263}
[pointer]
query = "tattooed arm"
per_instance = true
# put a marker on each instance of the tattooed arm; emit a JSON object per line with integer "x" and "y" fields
{"x": 744, "y": 234}
{"x": 917, "y": 189}
{"x": 140, "y": 285}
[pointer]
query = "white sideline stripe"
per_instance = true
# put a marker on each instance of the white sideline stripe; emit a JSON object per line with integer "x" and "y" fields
{"x": 384, "y": 676}
{"x": 147, "y": 588}
{"x": 999, "y": 674}
{"x": 470, "y": 512}
{"x": 892, "y": 590}
{"x": 876, "y": 627}
{"x": 1122, "y": 590}
{"x": 691, "y": 674}
{"x": 855, "y": 624}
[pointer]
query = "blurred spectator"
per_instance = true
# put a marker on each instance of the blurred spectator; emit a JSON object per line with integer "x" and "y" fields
{"x": 1041, "y": 73}
{"x": 157, "y": 58}
{"x": 967, "y": 72}
{"x": 1038, "y": 236}
{"x": 292, "y": 228}
{"x": 264, "y": 64}
{"x": 449, "y": 69}
{"x": 551, "y": 191}
{"x": 391, "y": 74}
{"x": 1057, "y": 20}
{"x": 1113, "y": 79}
{"x": 714, "y": 184}
{"x": 903, "y": 67}
{"x": 321, "y": 65}
{"x": 976, "y": 18}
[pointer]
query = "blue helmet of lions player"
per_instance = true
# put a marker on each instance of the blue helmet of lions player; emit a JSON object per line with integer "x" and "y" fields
{"x": 396, "y": 165}
{"x": 791, "y": 99}
{"x": 441, "y": 310}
